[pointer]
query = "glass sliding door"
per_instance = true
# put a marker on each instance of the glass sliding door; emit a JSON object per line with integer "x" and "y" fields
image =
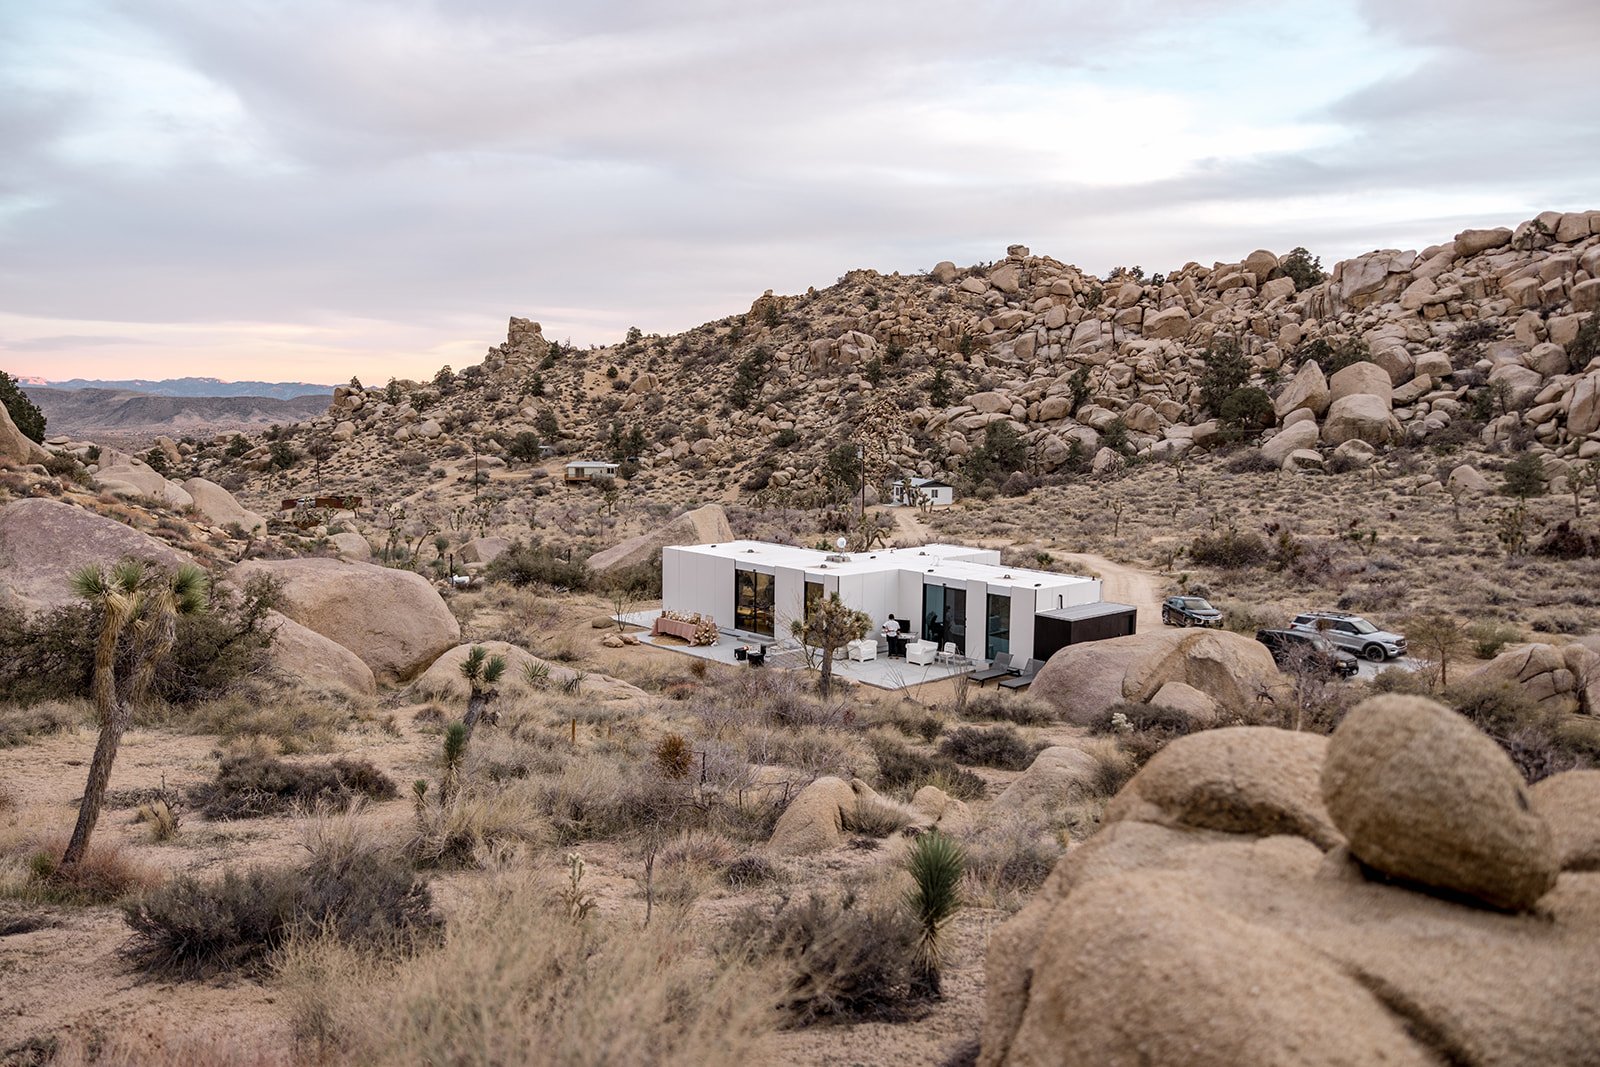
{"x": 754, "y": 595}
{"x": 997, "y": 626}
{"x": 944, "y": 615}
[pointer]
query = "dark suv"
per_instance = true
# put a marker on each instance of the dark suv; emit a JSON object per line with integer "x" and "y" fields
{"x": 1296, "y": 649}
{"x": 1190, "y": 611}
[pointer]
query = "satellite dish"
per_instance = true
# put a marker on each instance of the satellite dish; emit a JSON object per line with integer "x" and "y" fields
{"x": 841, "y": 543}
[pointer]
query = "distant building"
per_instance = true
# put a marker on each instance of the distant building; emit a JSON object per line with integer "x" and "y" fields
{"x": 921, "y": 491}
{"x": 581, "y": 471}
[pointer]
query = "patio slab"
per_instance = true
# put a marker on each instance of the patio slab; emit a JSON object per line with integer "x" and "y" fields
{"x": 880, "y": 673}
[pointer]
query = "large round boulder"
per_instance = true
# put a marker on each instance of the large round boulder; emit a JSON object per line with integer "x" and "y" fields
{"x": 1361, "y": 378}
{"x": 1359, "y": 417}
{"x": 1231, "y": 669}
{"x": 1057, "y": 776}
{"x": 1423, "y": 796}
{"x": 815, "y": 819}
{"x": 219, "y": 506}
{"x": 16, "y": 448}
{"x": 1562, "y": 679}
{"x": 1570, "y": 803}
{"x": 311, "y": 660}
{"x": 1308, "y": 390}
{"x": 1082, "y": 681}
{"x": 42, "y": 542}
{"x": 703, "y": 525}
{"x": 1242, "y": 779}
{"x": 393, "y": 619}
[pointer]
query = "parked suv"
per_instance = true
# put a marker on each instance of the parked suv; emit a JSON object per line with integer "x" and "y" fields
{"x": 1189, "y": 611}
{"x": 1353, "y": 633}
{"x": 1297, "y": 648}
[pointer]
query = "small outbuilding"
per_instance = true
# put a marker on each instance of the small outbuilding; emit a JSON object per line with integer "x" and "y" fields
{"x": 583, "y": 471}
{"x": 1057, "y": 628}
{"x": 920, "y": 491}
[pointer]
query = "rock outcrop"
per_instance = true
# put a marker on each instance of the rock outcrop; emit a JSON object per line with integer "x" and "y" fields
{"x": 1564, "y": 679}
{"x": 220, "y": 507}
{"x": 443, "y": 680}
{"x": 16, "y": 448}
{"x": 42, "y": 542}
{"x": 393, "y": 619}
{"x": 1217, "y": 919}
{"x": 308, "y": 659}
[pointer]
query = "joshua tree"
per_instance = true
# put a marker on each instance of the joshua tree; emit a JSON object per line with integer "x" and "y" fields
{"x": 936, "y": 865}
{"x": 139, "y": 609}
{"x": 481, "y": 671}
{"x": 830, "y": 627}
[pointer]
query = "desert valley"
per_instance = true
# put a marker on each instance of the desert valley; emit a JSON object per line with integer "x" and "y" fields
{"x": 547, "y": 709}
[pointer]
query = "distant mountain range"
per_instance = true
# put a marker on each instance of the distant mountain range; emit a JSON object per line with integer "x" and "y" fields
{"x": 190, "y": 387}
{"x": 121, "y": 416}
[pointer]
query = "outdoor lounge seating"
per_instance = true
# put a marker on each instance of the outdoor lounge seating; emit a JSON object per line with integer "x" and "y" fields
{"x": 862, "y": 650}
{"x": 999, "y": 667}
{"x": 921, "y": 652}
{"x": 1025, "y": 679}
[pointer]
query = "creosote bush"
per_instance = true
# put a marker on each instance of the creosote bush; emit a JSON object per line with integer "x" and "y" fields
{"x": 251, "y": 786}
{"x": 841, "y": 959}
{"x": 995, "y": 746}
{"x": 191, "y": 928}
{"x": 1016, "y": 708}
{"x": 906, "y": 770}
{"x": 1229, "y": 548}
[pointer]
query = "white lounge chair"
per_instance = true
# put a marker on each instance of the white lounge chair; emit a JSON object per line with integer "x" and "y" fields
{"x": 921, "y": 652}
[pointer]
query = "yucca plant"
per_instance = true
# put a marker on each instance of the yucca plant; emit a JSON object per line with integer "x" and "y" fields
{"x": 481, "y": 671}
{"x": 138, "y": 609}
{"x": 455, "y": 750}
{"x": 936, "y": 864}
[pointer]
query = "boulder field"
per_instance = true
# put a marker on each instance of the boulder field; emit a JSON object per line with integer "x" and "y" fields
{"x": 1389, "y": 895}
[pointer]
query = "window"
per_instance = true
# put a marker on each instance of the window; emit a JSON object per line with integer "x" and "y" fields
{"x": 753, "y": 598}
{"x": 997, "y": 626}
{"x": 944, "y": 615}
{"x": 813, "y": 598}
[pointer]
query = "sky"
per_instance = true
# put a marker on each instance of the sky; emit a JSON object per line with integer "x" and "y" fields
{"x": 299, "y": 190}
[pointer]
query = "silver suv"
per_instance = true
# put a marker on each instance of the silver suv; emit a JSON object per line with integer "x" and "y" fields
{"x": 1353, "y": 633}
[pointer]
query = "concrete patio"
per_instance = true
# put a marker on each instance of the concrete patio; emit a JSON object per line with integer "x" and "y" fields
{"x": 880, "y": 673}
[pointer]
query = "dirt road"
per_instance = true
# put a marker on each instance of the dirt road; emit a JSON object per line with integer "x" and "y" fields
{"x": 1123, "y": 585}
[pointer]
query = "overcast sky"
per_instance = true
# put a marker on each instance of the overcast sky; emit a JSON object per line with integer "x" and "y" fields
{"x": 291, "y": 189}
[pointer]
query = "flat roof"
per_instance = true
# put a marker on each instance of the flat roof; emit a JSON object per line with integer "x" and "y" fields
{"x": 1079, "y": 612}
{"x": 955, "y": 562}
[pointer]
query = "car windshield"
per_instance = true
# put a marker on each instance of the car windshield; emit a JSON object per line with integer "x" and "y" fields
{"x": 1194, "y": 603}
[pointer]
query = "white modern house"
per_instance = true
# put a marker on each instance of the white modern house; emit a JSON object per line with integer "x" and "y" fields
{"x": 947, "y": 593}
{"x": 921, "y": 491}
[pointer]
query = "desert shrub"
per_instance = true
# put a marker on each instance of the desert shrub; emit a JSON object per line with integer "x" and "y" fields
{"x": 1334, "y": 356}
{"x": 191, "y": 928}
{"x": 250, "y": 786}
{"x": 1523, "y": 476}
{"x": 1539, "y": 752}
{"x": 1226, "y": 371}
{"x": 1495, "y": 707}
{"x": 1016, "y": 708}
{"x": 748, "y": 871}
{"x": 474, "y": 825}
{"x": 594, "y": 991}
{"x": 1400, "y": 680}
{"x": 905, "y": 770}
{"x": 1251, "y": 461}
{"x": 1562, "y": 541}
{"x": 295, "y": 724}
{"x": 1010, "y": 858}
{"x": 1586, "y": 346}
{"x": 594, "y": 799}
{"x": 1304, "y": 268}
{"x": 1141, "y": 731}
{"x": 878, "y": 817}
{"x": 1229, "y": 549}
{"x": 995, "y": 746}
{"x": 523, "y": 565}
{"x": 1247, "y": 410}
{"x": 1489, "y": 639}
{"x": 841, "y": 960}
{"x": 105, "y": 875}
{"x": 20, "y": 725}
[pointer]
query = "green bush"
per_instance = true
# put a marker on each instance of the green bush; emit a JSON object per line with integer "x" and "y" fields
{"x": 1017, "y": 708}
{"x": 1248, "y": 410}
{"x": 994, "y": 746}
{"x": 1524, "y": 476}
{"x": 193, "y": 929}
{"x": 1304, "y": 268}
{"x": 523, "y": 565}
{"x": 24, "y": 412}
{"x": 1489, "y": 639}
{"x": 1494, "y": 706}
{"x": 1226, "y": 371}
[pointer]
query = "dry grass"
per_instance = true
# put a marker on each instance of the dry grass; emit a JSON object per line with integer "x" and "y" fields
{"x": 107, "y": 874}
{"x": 479, "y": 826}
{"x": 209, "y": 1046}
{"x": 292, "y": 724}
{"x": 515, "y": 974}
{"x": 21, "y": 724}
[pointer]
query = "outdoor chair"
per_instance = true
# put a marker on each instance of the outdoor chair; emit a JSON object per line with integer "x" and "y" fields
{"x": 999, "y": 667}
{"x": 921, "y": 652}
{"x": 1025, "y": 679}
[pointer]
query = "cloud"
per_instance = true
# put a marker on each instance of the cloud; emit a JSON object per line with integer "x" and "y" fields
{"x": 277, "y": 178}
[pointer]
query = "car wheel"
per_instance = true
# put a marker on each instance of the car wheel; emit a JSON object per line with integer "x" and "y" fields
{"x": 1166, "y": 618}
{"x": 1374, "y": 653}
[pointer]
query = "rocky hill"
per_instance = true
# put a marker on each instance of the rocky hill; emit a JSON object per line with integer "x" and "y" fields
{"x": 124, "y": 415}
{"x": 1481, "y": 338}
